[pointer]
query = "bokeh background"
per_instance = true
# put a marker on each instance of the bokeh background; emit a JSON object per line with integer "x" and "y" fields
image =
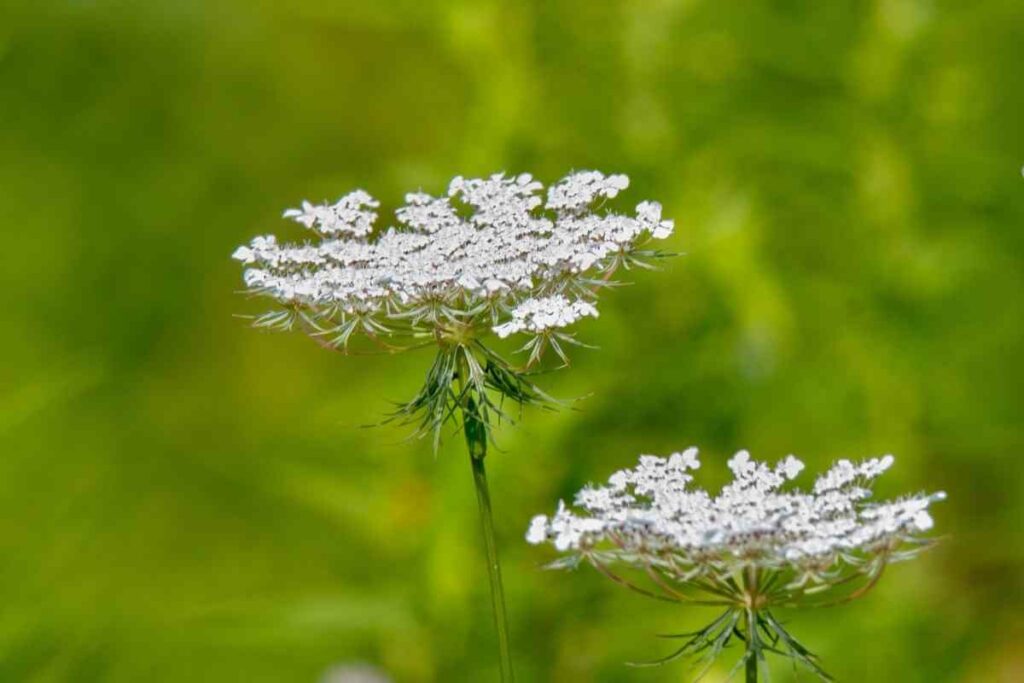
{"x": 185, "y": 499}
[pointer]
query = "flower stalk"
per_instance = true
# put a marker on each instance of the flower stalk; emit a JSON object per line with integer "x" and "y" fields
{"x": 475, "y": 431}
{"x": 752, "y": 599}
{"x": 751, "y": 655}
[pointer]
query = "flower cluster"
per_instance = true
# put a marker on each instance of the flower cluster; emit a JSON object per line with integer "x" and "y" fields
{"x": 652, "y": 509}
{"x": 493, "y": 255}
{"x": 543, "y": 314}
{"x": 749, "y": 549}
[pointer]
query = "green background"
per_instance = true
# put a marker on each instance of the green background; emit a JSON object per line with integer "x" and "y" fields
{"x": 185, "y": 499}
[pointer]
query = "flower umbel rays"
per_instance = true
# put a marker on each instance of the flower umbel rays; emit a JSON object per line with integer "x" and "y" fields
{"x": 752, "y": 547}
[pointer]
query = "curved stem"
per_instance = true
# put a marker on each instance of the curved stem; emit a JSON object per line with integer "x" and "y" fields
{"x": 628, "y": 584}
{"x": 871, "y": 583}
{"x": 475, "y": 430}
{"x": 657, "y": 578}
{"x": 855, "y": 594}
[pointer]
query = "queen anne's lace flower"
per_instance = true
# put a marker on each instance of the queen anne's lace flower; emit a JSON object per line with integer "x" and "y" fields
{"x": 754, "y": 546}
{"x": 652, "y": 508}
{"x": 494, "y": 249}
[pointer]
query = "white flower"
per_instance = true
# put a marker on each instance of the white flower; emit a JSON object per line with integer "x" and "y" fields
{"x": 349, "y": 215}
{"x": 923, "y": 521}
{"x": 650, "y": 214}
{"x": 748, "y": 549}
{"x": 741, "y": 465}
{"x": 790, "y": 467}
{"x": 495, "y": 248}
{"x": 687, "y": 460}
{"x": 652, "y": 506}
{"x": 579, "y": 190}
{"x": 244, "y": 254}
{"x": 538, "y": 531}
{"x": 544, "y": 314}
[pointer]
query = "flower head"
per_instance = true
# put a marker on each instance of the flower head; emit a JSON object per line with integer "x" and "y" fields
{"x": 753, "y": 546}
{"x": 752, "y": 521}
{"x": 493, "y": 254}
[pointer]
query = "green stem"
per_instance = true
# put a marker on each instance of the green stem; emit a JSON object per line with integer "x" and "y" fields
{"x": 475, "y": 430}
{"x": 751, "y": 588}
{"x": 751, "y": 646}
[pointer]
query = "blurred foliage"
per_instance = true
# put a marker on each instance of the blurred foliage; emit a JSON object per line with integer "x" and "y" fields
{"x": 185, "y": 499}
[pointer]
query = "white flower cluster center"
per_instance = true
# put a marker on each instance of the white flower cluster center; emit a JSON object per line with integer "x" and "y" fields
{"x": 653, "y": 507}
